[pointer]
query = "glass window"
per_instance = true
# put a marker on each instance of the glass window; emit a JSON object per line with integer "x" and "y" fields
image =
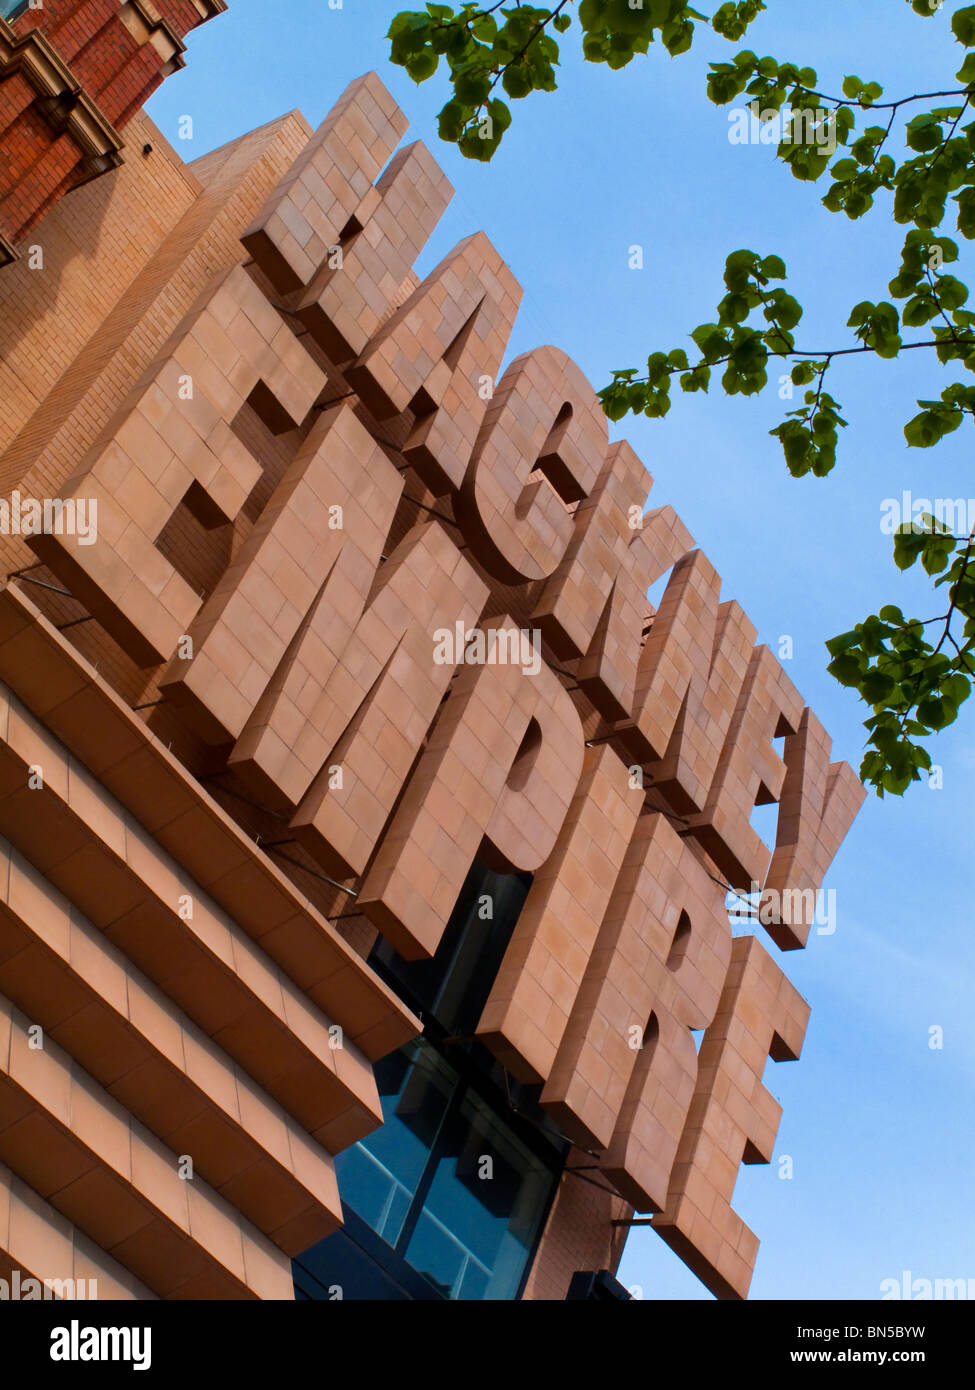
{"x": 482, "y": 1211}
{"x": 380, "y": 1175}
{"x": 446, "y": 1182}
{"x": 455, "y": 1183}
{"x": 10, "y": 9}
{"x": 454, "y": 985}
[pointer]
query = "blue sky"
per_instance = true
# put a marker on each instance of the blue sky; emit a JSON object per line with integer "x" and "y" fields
{"x": 877, "y": 1123}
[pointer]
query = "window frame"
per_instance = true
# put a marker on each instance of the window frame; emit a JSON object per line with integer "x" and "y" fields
{"x": 471, "y": 1070}
{"x": 471, "y": 1078}
{"x": 19, "y": 7}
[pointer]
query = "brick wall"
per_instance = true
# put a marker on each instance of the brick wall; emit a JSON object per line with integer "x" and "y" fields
{"x": 579, "y": 1234}
{"x": 52, "y": 304}
{"x": 60, "y": 122}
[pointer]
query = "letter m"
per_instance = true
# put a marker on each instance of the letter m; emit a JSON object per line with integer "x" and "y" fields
{"x": 316, "y": 650}
{"x": 65, "y": 1288}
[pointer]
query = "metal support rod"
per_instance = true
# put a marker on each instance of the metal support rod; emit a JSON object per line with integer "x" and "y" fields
{"x": 574, "y": 1172}
{"x": 227, "y": 791}
{"x": 433, "y": 512}
{"x": 42, "y": 583}
{"x": 352, "y": 892}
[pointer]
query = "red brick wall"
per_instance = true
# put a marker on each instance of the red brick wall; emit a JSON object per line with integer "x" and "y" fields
{"x": 112, "y": 67}
{"x": 36, "y": 167}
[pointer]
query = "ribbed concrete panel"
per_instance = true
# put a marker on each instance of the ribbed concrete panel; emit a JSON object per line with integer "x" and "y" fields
{"x": 85, "y": 995}
{"x": 37, "y": 1243}
{"x": 83, "y": 843}
{"x": 88, "y": 1158}
{"x": 68, "y": 696}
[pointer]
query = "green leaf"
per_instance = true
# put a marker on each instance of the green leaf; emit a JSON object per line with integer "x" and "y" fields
{"x": 876, "y": 687}
{"x": 963, "y": 26}
{"x": 836, "y": 646}
{"x": 421, "y": 65}
{"x": 846, "y": 669}
{"x": 891, "y": 614}
{"x": 451, "y": 121}
{"x": 937, "y": 714}
{"x": 517, "y": 81}
{"x": 500, "y": 114}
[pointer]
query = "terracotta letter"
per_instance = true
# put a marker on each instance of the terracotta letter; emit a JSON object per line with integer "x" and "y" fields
{"x": 172, "y": 441}
{"x": 439, "y": 356}
{"x": 544, "y": 419}
{"x": 502, "y": 765}
{"x": 732, "y": 1119}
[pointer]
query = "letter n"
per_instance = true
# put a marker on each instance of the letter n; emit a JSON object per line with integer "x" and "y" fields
{"x": 690, "y": 674}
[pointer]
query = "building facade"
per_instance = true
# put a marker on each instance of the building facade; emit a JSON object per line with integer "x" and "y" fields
{"x": 72, "y": 76}
{"x": 365, "y": 833}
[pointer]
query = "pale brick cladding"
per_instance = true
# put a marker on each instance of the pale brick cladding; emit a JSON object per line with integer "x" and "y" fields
{"x": 579, "y": 1234}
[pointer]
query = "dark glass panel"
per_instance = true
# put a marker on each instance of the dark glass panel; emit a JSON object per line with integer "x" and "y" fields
{"x": 486, "y": 1199}
{"x": 379, "y": 1176}
{"x": 360, "y": 1265}
{"x": 454, "y": 985}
